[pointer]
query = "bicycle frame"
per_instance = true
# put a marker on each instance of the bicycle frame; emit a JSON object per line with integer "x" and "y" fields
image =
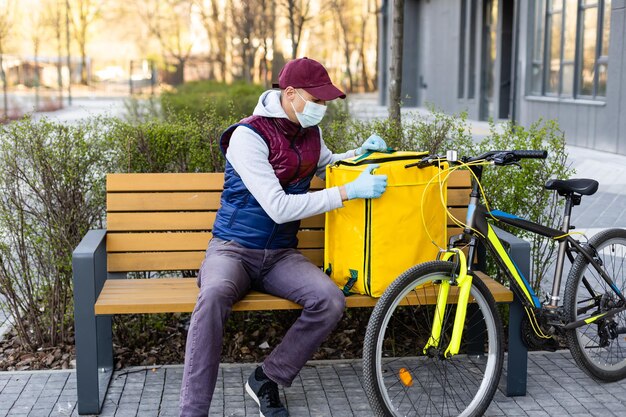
{"x": 478, "y": 229}
{"x": 477, "y": 216}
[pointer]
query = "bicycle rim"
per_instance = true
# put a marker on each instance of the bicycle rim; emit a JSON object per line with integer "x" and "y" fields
{"x": 410, "y": 382}
{"x": 600, "y": 347}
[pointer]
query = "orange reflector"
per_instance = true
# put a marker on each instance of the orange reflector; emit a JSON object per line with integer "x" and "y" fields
{"x": 405, "y": 377}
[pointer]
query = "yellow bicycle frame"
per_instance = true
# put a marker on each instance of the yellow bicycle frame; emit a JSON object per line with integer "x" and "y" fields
{"x": 464, "y": 282}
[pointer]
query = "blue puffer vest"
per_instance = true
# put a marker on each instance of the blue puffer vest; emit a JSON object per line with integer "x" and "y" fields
{"x": 293, "y": 153}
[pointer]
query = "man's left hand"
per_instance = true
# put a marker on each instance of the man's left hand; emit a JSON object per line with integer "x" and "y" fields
{"x": 373, "y": 143}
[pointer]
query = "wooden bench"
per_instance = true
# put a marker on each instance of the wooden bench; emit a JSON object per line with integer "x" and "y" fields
{"x": 162, "y": 222}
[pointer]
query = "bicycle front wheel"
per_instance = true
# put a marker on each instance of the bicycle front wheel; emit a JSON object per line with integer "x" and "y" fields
{"x": 402, "y": 378}
{"x": 599, "y": 348}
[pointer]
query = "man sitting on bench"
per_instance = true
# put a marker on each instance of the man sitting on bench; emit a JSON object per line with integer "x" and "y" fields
{"x": 271, "y": 158}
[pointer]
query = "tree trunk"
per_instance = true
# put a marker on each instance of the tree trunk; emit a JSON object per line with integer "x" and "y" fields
{"x": 395, "y": 69}
{"x": 69, "y": 58}
{"x": 179, "y": 75}
{"x": 36, "y": 76}
{"x": 58, "y": 30}
{"x": 83, "y": 64}
{"x": 5, "y": 94}
{"x": 294, "y": 41}
{"x": 364, "y": 74}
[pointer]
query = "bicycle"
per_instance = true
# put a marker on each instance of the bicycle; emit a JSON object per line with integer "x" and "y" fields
{"x": 448, "y": 355}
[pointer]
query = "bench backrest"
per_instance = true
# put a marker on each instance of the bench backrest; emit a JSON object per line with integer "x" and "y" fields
{"x": 162, "y": 222}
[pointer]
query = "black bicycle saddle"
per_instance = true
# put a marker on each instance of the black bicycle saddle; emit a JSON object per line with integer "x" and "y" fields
{"x": 580, "y": 186}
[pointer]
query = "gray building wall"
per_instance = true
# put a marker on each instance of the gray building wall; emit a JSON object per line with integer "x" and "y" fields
{"x": 431, "y": 72}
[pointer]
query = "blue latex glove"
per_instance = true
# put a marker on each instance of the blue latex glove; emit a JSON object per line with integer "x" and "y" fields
{"x": 373, "y": 143}
{"x": 367, "y": 185}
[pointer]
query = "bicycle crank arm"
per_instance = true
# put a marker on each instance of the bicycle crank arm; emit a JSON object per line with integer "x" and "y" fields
{"x": 579, "y": 323}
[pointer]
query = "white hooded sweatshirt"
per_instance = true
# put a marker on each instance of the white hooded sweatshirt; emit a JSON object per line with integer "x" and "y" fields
{"x": 249, "y": 155}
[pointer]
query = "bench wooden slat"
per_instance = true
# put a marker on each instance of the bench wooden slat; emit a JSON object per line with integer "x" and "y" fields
{"x": 191, "y": 241}
{"x": 165, "y": 182}
{"x": 174, "y": 261}
{"x": 458, "y": 197}
{"x": 138, "y": 222}
{"x": 164, "y": 295}
{"x": 195, "y": 221}
{"x": 160, "y": 221}
{"x": 172, "y": 200}
{"x": 197, "y": 241}
{"x": 459, "y": 179}
{"x": 184, "y": 201}
{"x": 157, "y": 241}
{"x": 214, "y": 181}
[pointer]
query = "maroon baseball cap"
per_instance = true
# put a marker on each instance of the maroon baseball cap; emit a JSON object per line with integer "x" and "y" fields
{"x": 311, "y": 76}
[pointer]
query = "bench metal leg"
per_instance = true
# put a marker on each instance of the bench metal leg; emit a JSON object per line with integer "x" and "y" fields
{"x": 94, "y": 348}
{"x": 517, "y": 370}
{"x": 517, "y": 362}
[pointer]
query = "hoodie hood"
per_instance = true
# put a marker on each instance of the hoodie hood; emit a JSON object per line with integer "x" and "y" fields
{"x": 269, "y": 105}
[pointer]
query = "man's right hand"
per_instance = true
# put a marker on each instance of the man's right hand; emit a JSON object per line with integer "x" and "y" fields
{"x": 367, "y": 185}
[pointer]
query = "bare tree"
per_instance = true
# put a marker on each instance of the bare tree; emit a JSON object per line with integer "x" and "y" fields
{"x": 83, "y": 13}
{"x": 395, "y": 69}
{"x": 368, "y": 12}
{"x": 39, "y": 26}
{"x": 298, "y": 13}
{"x": 55, "y": 22}
{"x": 351, "y": 18}
{"x": 168, "y": 22}
{"x": 267, "y": 31}
{"x": 7, "y": 20}
{"x": 215, "y": 25}
{"x": 339, "y": 8}
{"x": 251, "y": 30}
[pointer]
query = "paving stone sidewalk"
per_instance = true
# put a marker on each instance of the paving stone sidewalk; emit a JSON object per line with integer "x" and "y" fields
{"x": 556, "y": 387}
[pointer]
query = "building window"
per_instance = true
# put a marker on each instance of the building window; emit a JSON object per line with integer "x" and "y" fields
{"x": 570, "y": 48}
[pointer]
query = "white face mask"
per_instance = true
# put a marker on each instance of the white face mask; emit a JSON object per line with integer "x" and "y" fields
{"x": 311, "y": 115}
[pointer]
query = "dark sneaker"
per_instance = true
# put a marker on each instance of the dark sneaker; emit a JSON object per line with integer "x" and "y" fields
{"x": 265, "y": 392}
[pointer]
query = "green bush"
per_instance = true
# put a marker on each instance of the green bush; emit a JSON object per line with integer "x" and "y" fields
{"x": 434, "y": 133}
{"x": 51, "y": 193}
{"x": 520, "y": 190}
{"x": 196, "y": 98}
{"x": 182, "y": 143}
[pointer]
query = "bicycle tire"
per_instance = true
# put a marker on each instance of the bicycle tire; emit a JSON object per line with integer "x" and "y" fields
{"x": 461, "y": 385}
{"x": 604, "y": 363}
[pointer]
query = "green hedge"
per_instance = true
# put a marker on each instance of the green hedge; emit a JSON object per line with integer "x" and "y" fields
{"x": 182, "y": 143}
{"x": 195, "y": 98}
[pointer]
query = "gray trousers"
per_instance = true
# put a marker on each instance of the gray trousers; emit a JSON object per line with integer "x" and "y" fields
{"x": 228, "y": 272}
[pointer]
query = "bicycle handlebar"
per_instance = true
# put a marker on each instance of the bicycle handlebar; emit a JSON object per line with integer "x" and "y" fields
{"x": 508, "y": 157}
{"x": 497, "y": 157}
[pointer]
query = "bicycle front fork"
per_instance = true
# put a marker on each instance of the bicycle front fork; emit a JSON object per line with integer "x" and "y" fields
{"x": 464, "y": 283}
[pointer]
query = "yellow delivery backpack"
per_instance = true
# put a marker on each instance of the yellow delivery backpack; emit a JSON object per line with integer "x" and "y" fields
{"x": 369, "y": 243}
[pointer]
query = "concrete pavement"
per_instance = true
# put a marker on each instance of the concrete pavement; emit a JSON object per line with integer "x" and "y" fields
{"x": 556, "y": 387}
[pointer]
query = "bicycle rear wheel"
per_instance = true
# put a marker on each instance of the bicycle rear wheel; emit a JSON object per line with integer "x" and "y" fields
{"x": 400, "y": 379}
{"x": 598, "y": 348}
